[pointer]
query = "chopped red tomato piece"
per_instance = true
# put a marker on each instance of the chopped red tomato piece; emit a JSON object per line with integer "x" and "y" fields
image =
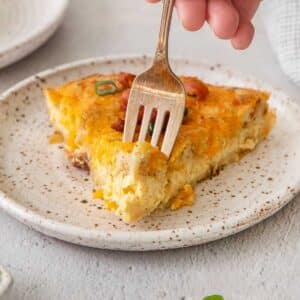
{"x": 124, "y": 100}
{"x": 118, "y": 125}
{"x": 126, "y": 79}
{"x": 195, "y": 88}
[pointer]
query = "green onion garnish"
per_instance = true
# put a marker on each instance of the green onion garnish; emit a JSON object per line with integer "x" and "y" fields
{"x": 112, "y": 88}
{"x": 186, "y": 111}
{"x": 151, "y": 128}
{"x": 214, "y": 297}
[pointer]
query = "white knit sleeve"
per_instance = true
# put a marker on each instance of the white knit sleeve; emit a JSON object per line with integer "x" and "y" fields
{"x": 282, "y": 22}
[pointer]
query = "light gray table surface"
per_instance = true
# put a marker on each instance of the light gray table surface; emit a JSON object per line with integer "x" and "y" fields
{"x": 260, "y": 263}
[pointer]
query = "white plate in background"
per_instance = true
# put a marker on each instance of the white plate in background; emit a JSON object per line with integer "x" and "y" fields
{"x": 39, "y": 187}
{"x": 26, "y": 25}
{"x": 5, "y": 281}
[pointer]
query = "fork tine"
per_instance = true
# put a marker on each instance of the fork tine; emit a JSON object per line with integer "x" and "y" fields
{"x": 173, "y": 126}
{"x": 158, "y": 127}
{"x": 145, "y": 123}
{"x": 130, "y": 123}
{"x": 160, "y": 83}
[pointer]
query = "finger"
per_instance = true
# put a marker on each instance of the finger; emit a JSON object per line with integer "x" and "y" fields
{"x": 223, "y": 18}
{"x": 153, "y": 1}
{"x": 246, "y": 8}
{"x": 192, "y": 13}
{"x": 243, "y": 36}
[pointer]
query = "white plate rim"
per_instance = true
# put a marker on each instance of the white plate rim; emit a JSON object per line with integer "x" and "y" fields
{"x": 21, "y": 48}
{"x": 5, "y": 280}
{"x": 73, "y": 233}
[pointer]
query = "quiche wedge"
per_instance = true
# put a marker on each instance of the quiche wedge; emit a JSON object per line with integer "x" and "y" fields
{"x": 135, "y": 179}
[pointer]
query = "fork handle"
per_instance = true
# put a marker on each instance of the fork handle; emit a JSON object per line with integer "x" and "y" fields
{"x": 162, "y": 47}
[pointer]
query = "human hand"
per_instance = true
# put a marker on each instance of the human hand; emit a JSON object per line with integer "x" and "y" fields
{"x": 229, "y": 19}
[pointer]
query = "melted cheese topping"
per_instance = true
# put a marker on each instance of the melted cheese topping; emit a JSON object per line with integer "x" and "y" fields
{"x": 210, "y": 122}
{"x": 185, "y": 197}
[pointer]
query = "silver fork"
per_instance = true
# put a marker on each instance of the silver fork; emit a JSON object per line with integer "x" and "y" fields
{"x": 158, "y": 88}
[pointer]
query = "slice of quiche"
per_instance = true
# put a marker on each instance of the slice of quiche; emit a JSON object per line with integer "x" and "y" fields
{"x": 135, "y": 179}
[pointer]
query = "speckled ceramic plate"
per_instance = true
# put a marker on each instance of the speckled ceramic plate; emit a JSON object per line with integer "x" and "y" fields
{"x": 5, "y": 281}
{"x": 26, "y": 25}
{"x": 41, "y": 189}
